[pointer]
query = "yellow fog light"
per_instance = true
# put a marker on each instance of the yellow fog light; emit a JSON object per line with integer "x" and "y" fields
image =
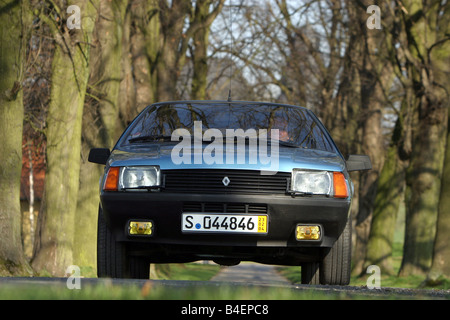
{"x": 141, "y": 228}
{"x": 307, "y": 232}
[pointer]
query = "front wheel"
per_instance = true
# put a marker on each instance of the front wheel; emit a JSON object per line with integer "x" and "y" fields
{"x": 335, "y": 267}
{"x": 336, "y": 264}
{"x": 112, "y": 258}
{"x": 310, "y": 273}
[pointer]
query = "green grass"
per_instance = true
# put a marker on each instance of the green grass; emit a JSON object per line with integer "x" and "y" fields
{"x": 159, "y": 291}
{"x": 293, "y": 274}
{"x": 410, "y": 282}
{"x": 148, "y": 292}
{"x": 196, "y": 291}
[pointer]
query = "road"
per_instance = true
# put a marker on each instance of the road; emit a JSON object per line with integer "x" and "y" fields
{"x": 252, "y": 273}
{"x": 248, "y": 275}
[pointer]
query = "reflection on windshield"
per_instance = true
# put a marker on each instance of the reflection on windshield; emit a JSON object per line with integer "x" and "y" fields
{"x": 296, "y": 126}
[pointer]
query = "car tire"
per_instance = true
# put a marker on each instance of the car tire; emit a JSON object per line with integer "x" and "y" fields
{"x": 139, "y": 268}
{"x": 310, "y": 273}
{"x": 112, "y": 258}
{"x": 111, "y": 255}
{"x": 336, "y": 264}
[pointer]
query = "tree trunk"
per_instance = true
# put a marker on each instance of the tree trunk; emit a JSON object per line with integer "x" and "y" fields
{"x": 174, "y": 38}
{"x": 128, "y": 107}
{"x": 389, "y": 195}
{"x": 426, "y": 61}
{"x": 28, "y": 251}
{"x": 171, "y": 56}
{"x": 70, "y": 71}
{"x": 441, "y": 251}
{"x": 422, "y": 193}
{"x": 199, "y": 54}
{"x": 100, "y": 119}
{"x": 14, "y": 25}
{"x": 372, "y": 145}
{"x": 200, "y": 62}
{"x": 375, "y": 77}
{"x": 144, "y": 45}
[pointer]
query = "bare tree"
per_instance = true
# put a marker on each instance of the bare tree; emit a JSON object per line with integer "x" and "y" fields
{"x": 423, "y": 41}
{"x": 70, "y": 72}
{"x": 15, "y": 20}
{"x": 100, "y": 120}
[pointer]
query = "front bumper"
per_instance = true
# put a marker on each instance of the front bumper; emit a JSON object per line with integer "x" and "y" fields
{"x": 165, "y": 211}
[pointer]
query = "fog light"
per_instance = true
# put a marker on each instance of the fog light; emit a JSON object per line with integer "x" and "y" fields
{"x": 307, "y": 232}
{"x": 140, "y": 228}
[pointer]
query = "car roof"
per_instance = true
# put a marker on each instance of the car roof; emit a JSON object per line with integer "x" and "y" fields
{"x": 227, "y": 102}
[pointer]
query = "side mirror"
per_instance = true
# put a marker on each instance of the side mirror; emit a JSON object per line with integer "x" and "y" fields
{"x": 99, "y": 155}
{"x": 358, "y": 163}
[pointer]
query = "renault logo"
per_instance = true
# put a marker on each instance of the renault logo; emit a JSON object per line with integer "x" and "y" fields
{"x": 226, "y": 181}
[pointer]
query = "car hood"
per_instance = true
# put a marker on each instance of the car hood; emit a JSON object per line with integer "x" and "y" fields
{"x": 286, "y": 160}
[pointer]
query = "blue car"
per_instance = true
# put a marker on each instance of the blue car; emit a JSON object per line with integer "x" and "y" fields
{"x": 227, "y": 181}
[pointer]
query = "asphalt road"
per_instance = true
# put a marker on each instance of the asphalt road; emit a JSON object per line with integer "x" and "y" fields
{"x": 252, "y": 273}
{"x": 248, "y": 275}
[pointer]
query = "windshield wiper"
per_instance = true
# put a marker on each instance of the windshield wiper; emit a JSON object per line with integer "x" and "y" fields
{"x": 150, "y": 138}
{"x": 280, "y": 142}
{"x": 153, "y": 138}
{"x": 286, "y": 144}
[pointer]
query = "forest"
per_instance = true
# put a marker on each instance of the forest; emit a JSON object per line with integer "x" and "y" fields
{"x": 73, "y": 74}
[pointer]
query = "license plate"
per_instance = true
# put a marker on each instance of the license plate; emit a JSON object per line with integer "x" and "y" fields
{"x": 224, "y": 223}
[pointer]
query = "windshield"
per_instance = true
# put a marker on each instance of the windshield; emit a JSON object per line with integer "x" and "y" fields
{"x": 297, "y": 126}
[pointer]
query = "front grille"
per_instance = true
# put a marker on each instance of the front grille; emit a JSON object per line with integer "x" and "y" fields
{"x": 224, "y": 207}
{"x": 211, "y": 181}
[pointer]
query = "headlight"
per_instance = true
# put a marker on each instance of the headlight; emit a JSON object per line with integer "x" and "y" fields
{"x": 143, "y": 177}
{"x": 312, "y": 182}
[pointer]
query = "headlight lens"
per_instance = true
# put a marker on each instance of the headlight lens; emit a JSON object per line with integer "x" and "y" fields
{"x": 312, "y": 182}
{"x": 139, "y": 177}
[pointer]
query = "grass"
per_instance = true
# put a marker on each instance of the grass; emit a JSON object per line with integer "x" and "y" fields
{"x": 412, "y": 282}
{"x": 203, "y": 291}
{"x": 293, "y": 274}
{"x": 148, "y": 292}
{"x": 159, "y": 291}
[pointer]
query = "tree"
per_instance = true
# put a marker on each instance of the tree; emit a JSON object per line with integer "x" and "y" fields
{"x": 375, "y": 76}
{"x": 198, "y": 51}
{"x": 100, "y": 121}
{"x": 161, "y": 33}
{"x": 70, "y": 72}
{"x": 15, "y": 21}
{"x": 175, "y": 36}
{"x": 144, "y": 42}
{"x": 441, "y": 254}
{"x": 421, "y": 34}
{"x": 389, "y": 195}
